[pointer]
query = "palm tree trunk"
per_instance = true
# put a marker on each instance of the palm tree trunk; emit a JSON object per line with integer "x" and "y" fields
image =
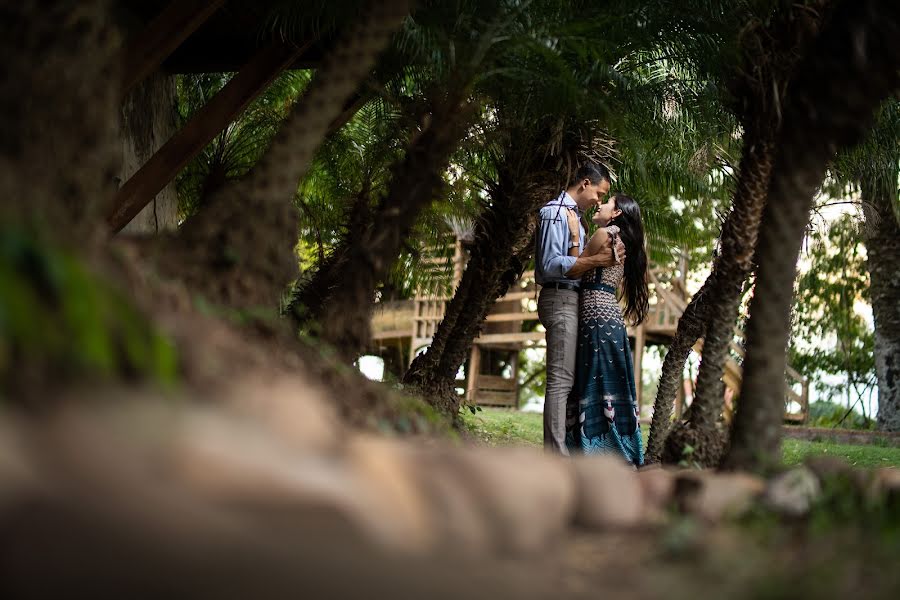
{"x": 415, "y": 183}
{"x": 691, "y": 327}
{"x": 497, "y": 277}
{"x": 731, "y": 268}
{"x": 307, "y": 303}
{"x": 503, "y": 242}
{"x": 148, "y": 119}
{"x": 822, "y": 114}
{"x": 59, "y": 146}
{"x": 882, "y": 235}
{"x": 250, "y": 228}
{"x": 770, "y": 56}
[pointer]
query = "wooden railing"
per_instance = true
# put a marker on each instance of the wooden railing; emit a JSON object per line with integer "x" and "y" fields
{"x": 669, "y": 305}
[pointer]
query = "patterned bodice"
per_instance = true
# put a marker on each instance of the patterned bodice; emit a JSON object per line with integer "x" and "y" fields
{"x": 601, "y": 304}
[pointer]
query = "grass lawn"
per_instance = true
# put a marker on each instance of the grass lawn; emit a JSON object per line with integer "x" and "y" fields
{"x": 858, "y": 456}
{"x": 503, "y": 427}
{"x": 500, "y": 427}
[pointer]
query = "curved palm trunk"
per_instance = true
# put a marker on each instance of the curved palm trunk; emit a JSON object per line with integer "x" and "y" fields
{"x": 771, "y": 56}
{"x": 249, "y": 230}
{"x": 822, "y": 114}
{"x": 503, "y": 242}
{"x": 309, "y": 300}
{"x": 415, "y": 183}
{"x": 721, "y": 301}
{"x": 691, "y": 327}
{"x": 59, "y": 146}
{"x": 882, "y": 235}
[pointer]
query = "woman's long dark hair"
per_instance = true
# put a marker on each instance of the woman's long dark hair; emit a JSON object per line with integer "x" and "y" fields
{"x": 637, "y": 294}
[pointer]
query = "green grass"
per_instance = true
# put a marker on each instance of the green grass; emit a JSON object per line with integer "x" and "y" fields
{"x": 500, "y": 427}
{"x": 858, "y": 456}
{"x": 503, "y": 427}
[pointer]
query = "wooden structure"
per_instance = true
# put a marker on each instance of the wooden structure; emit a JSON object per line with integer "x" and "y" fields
{"x": 189, "y": 36}
{"x": 405, "y": 327}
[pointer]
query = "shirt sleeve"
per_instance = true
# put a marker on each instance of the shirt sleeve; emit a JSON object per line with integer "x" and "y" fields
{"x": 555, "y": 259}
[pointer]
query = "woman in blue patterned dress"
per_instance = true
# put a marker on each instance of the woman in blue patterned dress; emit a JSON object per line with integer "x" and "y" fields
{"x": 604, "y": 394}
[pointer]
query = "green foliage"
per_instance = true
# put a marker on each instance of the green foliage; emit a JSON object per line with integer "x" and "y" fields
{"x": 875, "y": 156}
{"x": 838, "y": 339}
{"x": 823, "y": 413}
{"x": 240, "y": 145}
{"x": 60, "y": 321}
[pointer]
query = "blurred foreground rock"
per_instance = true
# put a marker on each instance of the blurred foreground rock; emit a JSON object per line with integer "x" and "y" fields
{"x": 266, "y": 494}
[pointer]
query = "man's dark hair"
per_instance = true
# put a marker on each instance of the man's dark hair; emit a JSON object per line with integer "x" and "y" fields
{"x": 593, "y": 171}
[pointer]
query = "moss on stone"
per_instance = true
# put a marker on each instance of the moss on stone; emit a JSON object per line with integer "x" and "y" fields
{"x": 61, "y": 322}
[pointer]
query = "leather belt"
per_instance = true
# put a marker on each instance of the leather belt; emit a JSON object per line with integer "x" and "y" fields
{"x": 602, "y": 287}
{"x": 561, "y": 285}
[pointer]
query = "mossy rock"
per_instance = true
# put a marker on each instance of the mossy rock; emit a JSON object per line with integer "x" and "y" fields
{"x": 61, "y": 323}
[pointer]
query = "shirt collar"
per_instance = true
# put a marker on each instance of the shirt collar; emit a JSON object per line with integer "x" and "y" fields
{"x": 569, "y": 201}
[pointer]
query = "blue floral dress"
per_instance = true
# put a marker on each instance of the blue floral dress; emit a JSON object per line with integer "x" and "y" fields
{"x": 602, "y": 412}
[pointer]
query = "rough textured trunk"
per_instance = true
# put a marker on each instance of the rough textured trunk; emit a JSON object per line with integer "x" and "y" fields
{"x": 415, "y": 183}
{"x": 822, "y": 114}
{"x": 309, "y": 301}
{"x": 148, "y": 120}
{"x": 58, "y": 148}
{"x": 691, "y": 326}
{"x": 882, "y": 235}
{"x": 731, "y": 268}
{"x": 769, "y": 57}
{"x": 245, "y": 240}
{"x": 503, "y": 242}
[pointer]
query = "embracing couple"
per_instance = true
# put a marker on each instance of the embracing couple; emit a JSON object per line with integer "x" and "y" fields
{"x": 590, "y": 405}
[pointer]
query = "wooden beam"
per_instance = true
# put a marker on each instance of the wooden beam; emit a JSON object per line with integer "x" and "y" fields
{"x": 504, "y": 338}
{"x": 472, "y": 374}
{"x": 513, "y": 316}
{"x": 517, "y": 296}
{"x": 221, "y": 110}
{"x": 143, "y": 54}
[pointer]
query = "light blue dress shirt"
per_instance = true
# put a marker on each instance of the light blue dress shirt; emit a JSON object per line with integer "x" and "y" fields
{"x": 551, "y": 252}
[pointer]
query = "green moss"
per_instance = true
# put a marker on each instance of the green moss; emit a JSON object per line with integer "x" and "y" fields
{"x": 59, "y": 320}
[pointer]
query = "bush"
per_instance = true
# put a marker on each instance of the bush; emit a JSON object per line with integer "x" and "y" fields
{"x": 823, "y": 413}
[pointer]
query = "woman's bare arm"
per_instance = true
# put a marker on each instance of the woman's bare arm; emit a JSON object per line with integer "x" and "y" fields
{"x": 598, "y": 241}
{"x": 600, "y": 244}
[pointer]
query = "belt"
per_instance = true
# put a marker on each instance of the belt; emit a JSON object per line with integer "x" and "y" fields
{"x": 602, "y": 287}
{"x": 561, "y": 285}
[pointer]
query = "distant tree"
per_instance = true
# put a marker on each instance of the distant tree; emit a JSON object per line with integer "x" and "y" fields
{"x": 829, "y": 337}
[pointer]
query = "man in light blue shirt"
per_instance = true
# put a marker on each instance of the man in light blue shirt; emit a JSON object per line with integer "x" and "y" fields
{"x": 559, "y": 274}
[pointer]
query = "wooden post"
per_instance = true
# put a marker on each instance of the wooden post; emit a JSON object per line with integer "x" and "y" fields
{"x": 472, "y": 374}
{"x": 224, "y": 107}
{"x": 143, "y": 54}
{"x": 514, "y": 360}
{"x": 639, "y": 342}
